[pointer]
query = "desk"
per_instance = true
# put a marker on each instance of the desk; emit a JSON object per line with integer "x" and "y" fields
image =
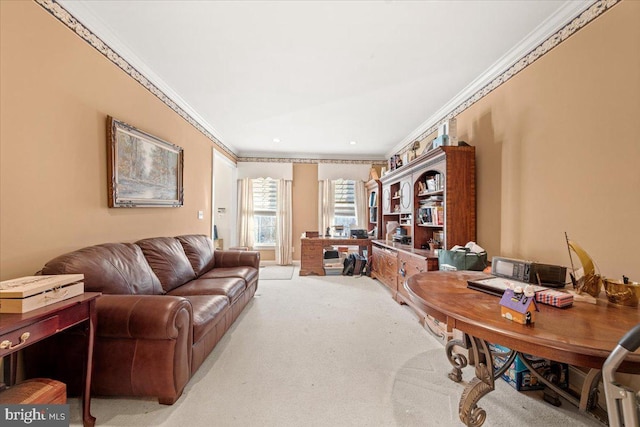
{"x": 18, "y": 331}
{"x": 582, "y": 335}
{"x": 312, "y": 255}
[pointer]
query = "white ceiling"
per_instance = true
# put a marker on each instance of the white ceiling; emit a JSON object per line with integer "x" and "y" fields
{"x": 319, "y": 74}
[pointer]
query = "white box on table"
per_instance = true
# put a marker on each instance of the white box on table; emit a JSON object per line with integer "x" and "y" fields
{"x": 31, "y": 292}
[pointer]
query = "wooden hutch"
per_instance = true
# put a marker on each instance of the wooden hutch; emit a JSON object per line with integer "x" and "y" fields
{"x": 433, "y": 200}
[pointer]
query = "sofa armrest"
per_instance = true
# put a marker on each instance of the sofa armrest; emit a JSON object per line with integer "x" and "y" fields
{"x": 143, "y": 316}
{"x": 232, "y": 258}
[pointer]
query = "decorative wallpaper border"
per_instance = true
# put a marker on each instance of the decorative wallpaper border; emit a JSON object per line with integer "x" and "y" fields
{"x": 595, "y": 10}
{"x": 60, "y": 13}
{"x": 376, "y": 162}
{"x": 96, "y": 42}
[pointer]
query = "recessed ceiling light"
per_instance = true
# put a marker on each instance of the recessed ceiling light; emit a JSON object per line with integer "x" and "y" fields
{"x": 352, "y": 142}
{"x": 276, "y": 140}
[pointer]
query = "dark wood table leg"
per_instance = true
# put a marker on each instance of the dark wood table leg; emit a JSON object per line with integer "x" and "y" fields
{"x": 10, "y": 364}
{"x": 87, "y": 419}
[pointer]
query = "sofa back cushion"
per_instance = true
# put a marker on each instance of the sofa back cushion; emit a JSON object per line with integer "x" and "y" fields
{"x": 168, "y": 260}
{"x": 199, "y": 250}
{"x": 111, "y": 268}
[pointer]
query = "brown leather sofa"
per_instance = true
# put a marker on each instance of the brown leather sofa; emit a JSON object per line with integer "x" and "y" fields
{"x": 166, "y": 303}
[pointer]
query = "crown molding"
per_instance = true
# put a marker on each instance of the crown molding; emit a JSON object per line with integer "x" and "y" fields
{"x": 109, "y": 45}
{"x": 557, "y": 28}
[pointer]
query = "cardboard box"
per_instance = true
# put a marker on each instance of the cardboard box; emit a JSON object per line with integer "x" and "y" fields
{"x": 520, "y": 378}
{"x": 519, "y": 366}
{"x": 32, "y": 292}
{"x": 525, "y": 381}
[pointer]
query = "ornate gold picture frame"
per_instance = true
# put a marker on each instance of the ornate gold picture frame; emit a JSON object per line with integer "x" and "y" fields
{"x": 143, "y": 170}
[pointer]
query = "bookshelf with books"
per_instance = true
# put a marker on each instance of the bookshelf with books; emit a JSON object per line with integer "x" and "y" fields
{"x": 445, "y": 201}
{"x": 374, "y": 210}
{"x": 441, "y": 211}
{"x": 442, "y": 214}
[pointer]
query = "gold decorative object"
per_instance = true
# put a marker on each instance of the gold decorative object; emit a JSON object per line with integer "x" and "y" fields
{"x": 585, "y": 279}
{"x": 622, "y": 292}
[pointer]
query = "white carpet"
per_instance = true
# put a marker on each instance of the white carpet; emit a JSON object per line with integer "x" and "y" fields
{"x": 332, "y": 351}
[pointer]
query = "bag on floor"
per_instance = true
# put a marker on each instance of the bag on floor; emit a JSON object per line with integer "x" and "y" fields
{"x": 360, "y": 265}
{"x": 347, "y": 266}
{"x": 354, "y": 265}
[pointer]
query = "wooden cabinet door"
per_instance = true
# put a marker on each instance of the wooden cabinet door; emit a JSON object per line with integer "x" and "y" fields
{"x": 408, "y": 265}
{"x": 375, "y": 263}
{"x": 390, "y": 266}
{"x": 385, "y": 263}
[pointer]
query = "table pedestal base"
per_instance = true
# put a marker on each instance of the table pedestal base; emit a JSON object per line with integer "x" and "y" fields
{"x": 483, "y": 383}
{"x": 485, "y": 375}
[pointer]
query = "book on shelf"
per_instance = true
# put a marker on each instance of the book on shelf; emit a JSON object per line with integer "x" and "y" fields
{"x": 372, "y": 199}
{"x": 439, "y": 215}
{"x": 432, "y": 183}
{"x": 431, "y": 215}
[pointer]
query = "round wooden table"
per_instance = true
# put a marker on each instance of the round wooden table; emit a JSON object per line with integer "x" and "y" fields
{"x": 582, "y": 335}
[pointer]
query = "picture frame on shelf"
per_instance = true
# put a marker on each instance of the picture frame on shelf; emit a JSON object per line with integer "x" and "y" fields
{"x": 143, "y": 170}
{"x": 428, "y": 147}
{"x": 435, "y": 143}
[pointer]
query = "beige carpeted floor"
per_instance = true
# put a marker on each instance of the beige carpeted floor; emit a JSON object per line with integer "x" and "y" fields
{"x": 332, "y": 351}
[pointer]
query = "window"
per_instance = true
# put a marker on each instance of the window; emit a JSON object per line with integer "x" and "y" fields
{"x": 265, "y": 195}
{"x": 345, "y": 203}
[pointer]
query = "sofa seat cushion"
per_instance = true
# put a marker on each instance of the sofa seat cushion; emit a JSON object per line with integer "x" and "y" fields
{"x": 208, "y": 310}
{"x": 168, "y": 260}
{"x": 232, "y": 287}
{"x": 249, "y": 274}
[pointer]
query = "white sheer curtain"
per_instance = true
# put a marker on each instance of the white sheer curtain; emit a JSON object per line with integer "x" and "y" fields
{"x": 326, "y": 205}
{"x": 361, "y": 205}
{"x": 245, "y": 212}
{"x": 284, "y": 238}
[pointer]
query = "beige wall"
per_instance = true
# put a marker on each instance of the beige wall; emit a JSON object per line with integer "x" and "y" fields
{"x": 304, "y": 194}
{"x": 56, "y": 92}
{"x": 558, "y": 149}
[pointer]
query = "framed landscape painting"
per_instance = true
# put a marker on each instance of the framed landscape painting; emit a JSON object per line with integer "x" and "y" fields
{"x": 143, "y": 170}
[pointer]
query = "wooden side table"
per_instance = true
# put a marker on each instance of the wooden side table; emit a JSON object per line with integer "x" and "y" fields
{"x": 18, "y": 331}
